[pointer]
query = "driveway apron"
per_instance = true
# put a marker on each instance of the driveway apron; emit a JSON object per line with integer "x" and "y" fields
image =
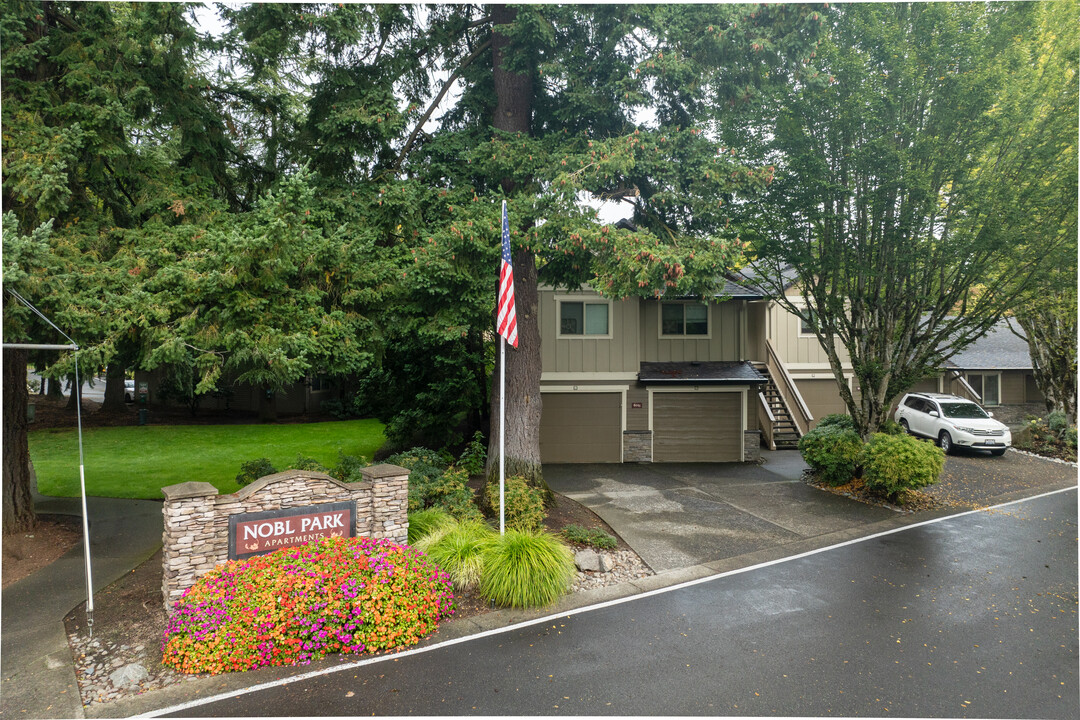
{"x": 679, "y": 514}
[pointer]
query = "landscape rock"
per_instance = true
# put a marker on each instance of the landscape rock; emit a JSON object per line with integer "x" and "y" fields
{"x": 129, "y": 676}
{"x": 587, "y": 560}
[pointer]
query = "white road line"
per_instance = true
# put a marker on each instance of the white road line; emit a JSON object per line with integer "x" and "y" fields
{"x": 549, "y": 618}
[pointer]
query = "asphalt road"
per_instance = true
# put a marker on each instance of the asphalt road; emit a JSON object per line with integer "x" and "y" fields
{"x": 972, "y": 616}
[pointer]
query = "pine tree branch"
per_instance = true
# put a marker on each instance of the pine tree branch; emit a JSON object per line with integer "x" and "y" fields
{"x": 435, "y": 103}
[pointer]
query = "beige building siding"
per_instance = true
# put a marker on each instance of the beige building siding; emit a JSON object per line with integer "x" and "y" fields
{"x": 637, "y": 418}
{"x": 722, "y": 343}
{"x": 584, "y": 354}
{"x": 822, "y": 397}
{"x": 793, "y": 348}
{"x": 757, "y": 319}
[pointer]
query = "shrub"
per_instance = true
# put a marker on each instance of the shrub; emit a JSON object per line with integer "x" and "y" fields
{"x": 840, "y": 420}
{"x": 421, "y": 456}
{"x": 595, "y": 537}
{"x": 895, "y": 463}
{"x": 252, "y": 470}
{"x": 424, "y": 523}
{"x": 891, "y": 427}
{"x": 299, "y": 604}
{"x": 526, "y": 569}
{"x": 431, "y": 487}
{"x": 349, "y": 467}
{"x": 307, "y": 463}
{"x": 461, "y": 551}
{"x": 833, "y": 452}
{"x": 524, "y": 504}
{"x": 474, "y": 456}
{"x": 1057, "y": 422}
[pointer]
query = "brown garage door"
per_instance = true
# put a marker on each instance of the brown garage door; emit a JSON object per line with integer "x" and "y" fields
{"x": 697, "y": 427}
{"x": 581, "y": 428}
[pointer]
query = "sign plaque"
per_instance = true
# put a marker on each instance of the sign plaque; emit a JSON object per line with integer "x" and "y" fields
{"x": 264, "y": 532}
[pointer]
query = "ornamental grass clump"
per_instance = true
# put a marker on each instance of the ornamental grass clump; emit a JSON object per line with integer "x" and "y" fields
{"x": 341, "y": 595}
{"x": 526, "y": 569}
{"x": 461, "y": 551}
{"x": 423, "y": 523}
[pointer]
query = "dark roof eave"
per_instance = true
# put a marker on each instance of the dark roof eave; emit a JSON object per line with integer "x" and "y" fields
{"x": 699, "y": 381}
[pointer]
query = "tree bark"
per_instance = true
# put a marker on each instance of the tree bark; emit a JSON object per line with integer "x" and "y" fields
{"x": 114, "y": 387}
{"x": 513, "y": 108}
{"x": 268, "y": 405}
{"x": 18, "y": 503}
{"x": 76, "y": 394}
{"x": 523, "y": 405}
{"x": 56, "y": 388}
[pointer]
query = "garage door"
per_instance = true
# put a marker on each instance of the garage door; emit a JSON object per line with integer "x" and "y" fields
{"x": 581, "y": 428}
{"x": 697, "y": 427}
{"x": 822, "y": 397}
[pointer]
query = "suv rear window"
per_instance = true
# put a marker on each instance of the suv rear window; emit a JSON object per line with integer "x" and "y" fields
{"x": 968, "y": 411}
{"x": 914, "y": 403}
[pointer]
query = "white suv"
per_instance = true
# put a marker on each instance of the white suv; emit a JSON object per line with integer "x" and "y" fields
{"x": 952, "y": 421}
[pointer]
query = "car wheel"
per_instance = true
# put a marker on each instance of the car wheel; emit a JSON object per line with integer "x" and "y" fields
{"x": 945, "y": 441}
{"x": 998, "y": 453}
{"x": 903, "y": 424}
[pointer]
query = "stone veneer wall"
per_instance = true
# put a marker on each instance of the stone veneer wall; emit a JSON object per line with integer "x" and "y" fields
{"x": 196, "y": 535}
{"x": 752, "y": 445}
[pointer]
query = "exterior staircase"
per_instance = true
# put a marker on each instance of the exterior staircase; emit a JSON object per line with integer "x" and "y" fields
{"x": 785, "y": 432}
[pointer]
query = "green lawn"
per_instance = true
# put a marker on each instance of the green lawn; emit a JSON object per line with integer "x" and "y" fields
{"x": 136, "y": 462}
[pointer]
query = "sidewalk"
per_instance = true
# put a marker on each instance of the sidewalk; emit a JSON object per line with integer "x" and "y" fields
{"x": 38, "y": 677}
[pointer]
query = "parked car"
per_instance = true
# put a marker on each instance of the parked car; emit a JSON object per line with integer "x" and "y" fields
{"x": 953, "y": 422}
{"x": 129, "y": 391}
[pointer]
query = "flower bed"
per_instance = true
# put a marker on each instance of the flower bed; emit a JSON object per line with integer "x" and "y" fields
{"x": 342, "y": 595}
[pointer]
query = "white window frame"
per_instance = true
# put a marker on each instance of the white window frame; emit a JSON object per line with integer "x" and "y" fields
{"x": 683, "y": 336}
{"x": 802, "y": 332}
{"x": 590, "y": 300}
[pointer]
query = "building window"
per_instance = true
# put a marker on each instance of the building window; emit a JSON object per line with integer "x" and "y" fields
{"x": 804, "y": 323}
{"x": 583, "y": 318}
{"x": 988, "y": 386}
{"x": 684, "y": 319}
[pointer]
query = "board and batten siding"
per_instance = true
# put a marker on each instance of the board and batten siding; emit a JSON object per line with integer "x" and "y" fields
{"x": 793, "y": 348}
{"x": 723, "y": 343}
{"x": 617, "y": 353}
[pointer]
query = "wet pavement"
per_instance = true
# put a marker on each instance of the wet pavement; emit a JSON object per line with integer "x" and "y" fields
{"x": 965, "y": 616}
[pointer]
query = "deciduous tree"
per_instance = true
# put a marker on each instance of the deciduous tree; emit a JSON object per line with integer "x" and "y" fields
{"x": 905, "y": 185}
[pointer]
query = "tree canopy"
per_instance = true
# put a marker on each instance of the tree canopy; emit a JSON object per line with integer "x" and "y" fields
{"x": 922, "y": 188}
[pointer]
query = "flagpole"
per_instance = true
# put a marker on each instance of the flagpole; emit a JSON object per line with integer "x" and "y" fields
{"x": 502, "y": 436}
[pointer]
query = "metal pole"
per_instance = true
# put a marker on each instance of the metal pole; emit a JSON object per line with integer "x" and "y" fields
{"x": 85, "y": 516}
{"x": 38, "y": 346}
{"x": 502, "y": 435}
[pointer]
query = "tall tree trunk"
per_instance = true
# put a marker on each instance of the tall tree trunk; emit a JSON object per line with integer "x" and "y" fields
{"x": 268, "y": 405}
{"x": 114, "y": 387}
{"x": 523, "y": 406}
{"x": 18, "y": 503}
{"x": 56, "y": 389}
{"x": 76, "y": 393}
{"x": 513, "y": 108}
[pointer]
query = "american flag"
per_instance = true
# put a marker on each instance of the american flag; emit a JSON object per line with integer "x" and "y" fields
{"x": 506, "y": 324}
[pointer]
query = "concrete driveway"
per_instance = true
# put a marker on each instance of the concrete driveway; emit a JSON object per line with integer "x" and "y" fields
{"x": 675, "y": 515}
{"x": 678, "y": 515}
